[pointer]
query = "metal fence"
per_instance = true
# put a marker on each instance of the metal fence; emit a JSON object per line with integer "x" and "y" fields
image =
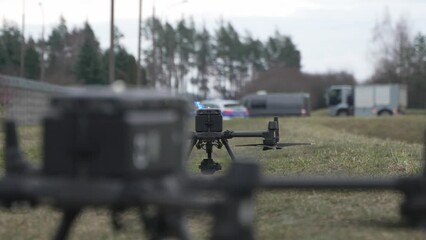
{"x": 25, "y": 100}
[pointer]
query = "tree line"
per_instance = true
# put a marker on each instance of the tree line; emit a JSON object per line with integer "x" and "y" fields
{"x": 224, "y": 60}
{"x": 182, "y": 56}
{"x": 176, "y": 56}
{"x": 69, "y": 56}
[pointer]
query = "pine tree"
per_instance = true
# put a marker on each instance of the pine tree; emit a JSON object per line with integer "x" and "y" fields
{"x": 281, "y": 51}
{"x": 169, "y": 46}
{"x": 88, "y": 66}
{"x": 185, "y": 51}
{"x": 229, "y": 64}
{"x": 32, "y": 61}
{"x": 10, "y": 49}
{"x": 62, "y": 54}
{"x": 125, "y": 66}
{"x": 153, "y": 32}
{"x": 203, "y": 61}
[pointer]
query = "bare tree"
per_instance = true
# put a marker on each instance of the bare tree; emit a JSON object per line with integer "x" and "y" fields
{"x": 393, "y": 50}
{"x": 400, "y": 58}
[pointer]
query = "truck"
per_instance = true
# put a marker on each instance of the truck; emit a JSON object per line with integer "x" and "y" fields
{"x": 366, "y": 100}
{"x": 278, "y": 104}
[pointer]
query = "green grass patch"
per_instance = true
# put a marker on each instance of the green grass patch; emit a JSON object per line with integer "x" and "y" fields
{"x": 326, "y": 215}
{"x": 408, "y": 128}
{"x": 323, "y": 112}
{"x": 418, "y": 111}
{"x": 337, "y": 150}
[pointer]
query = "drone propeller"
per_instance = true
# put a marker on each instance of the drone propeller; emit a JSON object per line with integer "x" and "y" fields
{"x": 276, "y": 146}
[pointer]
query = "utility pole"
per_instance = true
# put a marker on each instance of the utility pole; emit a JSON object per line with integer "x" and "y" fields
{"x": 154, "y": 48}
{"x": 22, "y": 59}
{"x": 138, "y": 68}
{"x": 42, "y": 44}
{"x": 111, "y": 48}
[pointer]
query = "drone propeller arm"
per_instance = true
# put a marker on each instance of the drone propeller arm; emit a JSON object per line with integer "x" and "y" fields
{"x": 227, "y": 135}
{"x": 270, "y": 137}
{"x": 232, "y": 134}
{"x": 325, "y": 183}
{"x": 413, "y": 207}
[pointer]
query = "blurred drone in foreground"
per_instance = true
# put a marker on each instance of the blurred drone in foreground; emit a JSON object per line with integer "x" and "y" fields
{"x": 128, "y": 150}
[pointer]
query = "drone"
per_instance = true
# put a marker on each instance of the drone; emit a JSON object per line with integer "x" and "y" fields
{"x": 209, "y": 133}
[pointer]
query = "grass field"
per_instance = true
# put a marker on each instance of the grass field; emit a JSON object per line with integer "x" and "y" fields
{"x": 341, "y": 146}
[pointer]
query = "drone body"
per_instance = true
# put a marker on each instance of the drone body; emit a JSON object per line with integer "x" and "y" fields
{"x": 208, "y": 133}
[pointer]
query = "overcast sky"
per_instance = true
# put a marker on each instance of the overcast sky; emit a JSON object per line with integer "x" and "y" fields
{"x": 331, "y": 34}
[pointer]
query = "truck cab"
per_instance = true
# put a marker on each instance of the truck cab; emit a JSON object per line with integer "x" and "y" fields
{"x": 340, "y": 100}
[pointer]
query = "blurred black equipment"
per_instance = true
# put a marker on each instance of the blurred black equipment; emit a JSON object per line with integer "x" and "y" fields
{"x": 127, "y": 150}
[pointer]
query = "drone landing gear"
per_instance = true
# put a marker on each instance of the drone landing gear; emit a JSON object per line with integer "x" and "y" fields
{"x": 208, "y": 166}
